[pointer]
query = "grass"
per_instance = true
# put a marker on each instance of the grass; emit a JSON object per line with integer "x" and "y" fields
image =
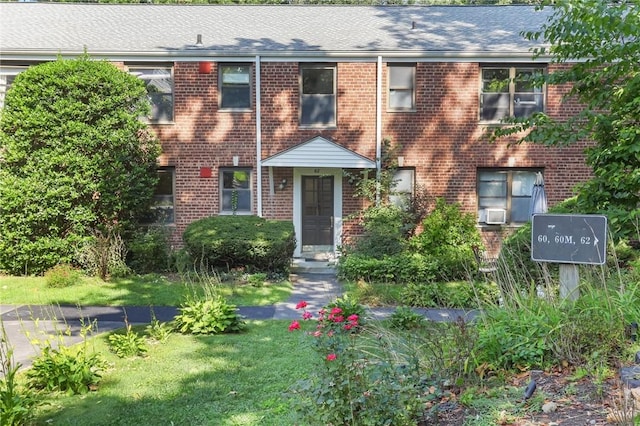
{"x": 230, "y": 379}
{"x": 144, "y": 290}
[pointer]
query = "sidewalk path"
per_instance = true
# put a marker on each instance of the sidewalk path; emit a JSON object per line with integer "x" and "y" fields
{"x": 22, "y": 324}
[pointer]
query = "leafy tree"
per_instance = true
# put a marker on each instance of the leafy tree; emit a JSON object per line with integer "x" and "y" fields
{"x": 74, "y": 159}
{"x": 600, "y": 41}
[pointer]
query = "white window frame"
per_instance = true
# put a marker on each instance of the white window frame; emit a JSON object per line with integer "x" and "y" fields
{"x": 318, "y": 97}
{"x": 512, "y": 97}
{"x": 234, "y": 83}
{"x": 150, "y": 72}
{"x": 7, "y": 75}
{"x": 513, "y": 193}
{"x": 395, "y": 86}
{"x": 226, "y": 207}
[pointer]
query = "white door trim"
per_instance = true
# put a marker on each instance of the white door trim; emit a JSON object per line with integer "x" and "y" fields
{"x": 298, "y": 172}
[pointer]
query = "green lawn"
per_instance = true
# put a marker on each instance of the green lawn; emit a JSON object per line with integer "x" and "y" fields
{"x": 231, "y": 379}
{"x": 138, "y": 290}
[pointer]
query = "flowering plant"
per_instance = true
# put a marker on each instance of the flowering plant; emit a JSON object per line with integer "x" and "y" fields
{"x": 357, "y": 381}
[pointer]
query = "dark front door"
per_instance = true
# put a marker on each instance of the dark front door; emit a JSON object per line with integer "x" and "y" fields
{"x": 317, "y": 210}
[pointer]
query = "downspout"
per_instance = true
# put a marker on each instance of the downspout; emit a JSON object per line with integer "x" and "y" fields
{"x": 378, "y": 128}
{"x": 258, "y": 138}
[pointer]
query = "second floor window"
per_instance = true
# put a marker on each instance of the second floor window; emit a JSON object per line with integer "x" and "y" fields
{"x": 402, "y": 83}
{"x": 510, "y": 92}
{"x": 318, "y": 96}
{"x": 159, "y": 82}
{"x": 235, "y": 86}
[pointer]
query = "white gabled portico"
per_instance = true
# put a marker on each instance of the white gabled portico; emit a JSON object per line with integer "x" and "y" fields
{"x": 317, "y": 191}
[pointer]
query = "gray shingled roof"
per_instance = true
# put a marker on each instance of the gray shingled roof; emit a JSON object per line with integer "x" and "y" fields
{"x": 137, "y": 29}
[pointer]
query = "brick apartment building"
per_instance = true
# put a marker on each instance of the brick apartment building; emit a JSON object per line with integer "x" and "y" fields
{"x": 261, "y": 109}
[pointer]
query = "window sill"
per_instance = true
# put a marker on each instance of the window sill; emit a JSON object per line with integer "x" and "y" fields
{"x": 235, "y": 110}
{"x": 318, "y": 127}
{"x": 395, "y": 111}
{"x": 238, "y": 213}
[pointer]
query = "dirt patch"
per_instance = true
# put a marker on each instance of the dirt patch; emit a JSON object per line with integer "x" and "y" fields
{"x": 559, "y": 399}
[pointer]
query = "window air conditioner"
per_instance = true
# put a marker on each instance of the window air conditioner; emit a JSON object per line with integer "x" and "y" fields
{"x": 496, "y": 217}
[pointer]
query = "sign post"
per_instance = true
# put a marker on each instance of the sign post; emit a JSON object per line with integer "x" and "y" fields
{"x": 569, "y": 240}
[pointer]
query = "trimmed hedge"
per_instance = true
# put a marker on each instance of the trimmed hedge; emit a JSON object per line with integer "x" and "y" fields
{"x": 250, "y": 242}
{"x": 400, "y": 268}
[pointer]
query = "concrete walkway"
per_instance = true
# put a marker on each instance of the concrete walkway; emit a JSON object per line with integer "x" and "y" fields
{"x": 24, "y": 325}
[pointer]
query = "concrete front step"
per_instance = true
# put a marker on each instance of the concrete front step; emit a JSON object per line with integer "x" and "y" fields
{"x": 313, "y": 266}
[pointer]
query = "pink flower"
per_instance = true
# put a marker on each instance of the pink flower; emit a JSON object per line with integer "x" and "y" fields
{"x": 348, "y": 326}
{"x": 331, "y": 357}
{"x": 307, "y": 315}
{"x": 295, "y": 325}
{"x": 339, "y": 318}
{"x": 336, "y": 311}
{"x": 330, "y": 333}
{"x": 301, "y": 304}
{"x": 317, "y": 333}
{"x": 353, "y": 318}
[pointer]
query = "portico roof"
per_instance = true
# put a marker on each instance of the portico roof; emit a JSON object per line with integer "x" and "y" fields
{"x": 319, "y": 152}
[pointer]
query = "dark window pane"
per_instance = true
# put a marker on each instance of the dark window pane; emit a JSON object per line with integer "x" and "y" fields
{"x": 236, "y": 97}
{"x": 495, "y": 80}
{"x": 525, "y": 104}
{"x": 318, "y": 109}
{"x": 520, "y": 209}
{"x": 317, "y": 81}
{"x": 494, "y": 106}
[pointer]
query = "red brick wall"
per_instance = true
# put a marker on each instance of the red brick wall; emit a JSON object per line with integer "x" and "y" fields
{"x": 442, "y": 139}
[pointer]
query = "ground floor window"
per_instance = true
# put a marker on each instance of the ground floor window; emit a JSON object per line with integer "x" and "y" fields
{"x": 235, "y": 191}
{"x": 162, "y": 209}
{"x": 403, "y": 187}
{"x": 504, "y": 195}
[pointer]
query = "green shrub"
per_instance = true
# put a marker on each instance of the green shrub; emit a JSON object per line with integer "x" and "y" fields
{"x": 400, "y": 268}
{"x": 448, "y": 235}
{"x": 450, "y": 294}
{"x": 384, "y": 233}
{"x": 67, "y": 369}
{"x": 104, "y": 255}
{"x": 127, "y": 344}
{"x": 17, "y": 403}
{"x": 257, "y": 280}
{"x": 63, "y": 275}
{"x": 406, "y": 318}
{"x": 208, "y": 316}
{"x": 53, "y": 186}
{"x": 149, "y": 251}
{"x": 241, "y": 241}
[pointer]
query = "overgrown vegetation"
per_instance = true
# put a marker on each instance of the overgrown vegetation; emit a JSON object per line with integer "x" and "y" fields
{"x": 54, "y": 190}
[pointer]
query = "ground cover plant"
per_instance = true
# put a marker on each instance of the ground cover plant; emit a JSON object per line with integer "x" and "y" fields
{"x": 144, "y": 290}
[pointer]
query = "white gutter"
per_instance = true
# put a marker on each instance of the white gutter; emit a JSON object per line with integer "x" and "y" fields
{"x": 298, "y": 56}
{"x": 258, "y": 139}
{"x": 378, "y": 127}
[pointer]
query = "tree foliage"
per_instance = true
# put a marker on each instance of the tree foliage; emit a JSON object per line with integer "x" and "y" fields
{"x": 75, "y": 158}
{"x": 600, "y": 41}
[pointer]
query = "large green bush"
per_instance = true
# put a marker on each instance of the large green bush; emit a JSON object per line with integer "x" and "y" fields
{"x": 384, "y": 232}
{"x": 448, "y": 235}
{"x": 75, "y": 158}
{"x": 241, "y": 241}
